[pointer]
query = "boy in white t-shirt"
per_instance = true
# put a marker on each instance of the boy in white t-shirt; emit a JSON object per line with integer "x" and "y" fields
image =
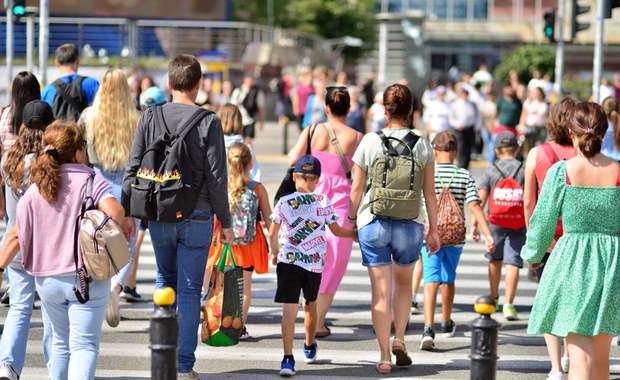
{"x": 299, "y": 252}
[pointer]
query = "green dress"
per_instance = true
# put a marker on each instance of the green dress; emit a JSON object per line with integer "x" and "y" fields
{"x": 580, "y": 289}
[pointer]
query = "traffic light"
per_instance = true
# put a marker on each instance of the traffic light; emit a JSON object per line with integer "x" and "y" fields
{"x": 608, "y": 6}
{"x": 577, "y": 26}
{"x": 19, "y": 8}
{"x": 549, "y": 29}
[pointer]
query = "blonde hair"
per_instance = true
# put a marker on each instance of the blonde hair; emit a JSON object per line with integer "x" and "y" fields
{"x": 111, "y": 122}
{"x": 239, "y": 157}
{"x": 230, "y": 116}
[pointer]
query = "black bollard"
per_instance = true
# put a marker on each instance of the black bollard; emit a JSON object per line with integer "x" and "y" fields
{"x": 164, "y": 332}
{"x": 484, "y": 341}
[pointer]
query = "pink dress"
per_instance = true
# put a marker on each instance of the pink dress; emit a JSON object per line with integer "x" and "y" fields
{"x": 334, "y": 184}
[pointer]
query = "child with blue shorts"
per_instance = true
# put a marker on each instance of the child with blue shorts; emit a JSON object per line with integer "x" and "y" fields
{"x": 440, "y": 268}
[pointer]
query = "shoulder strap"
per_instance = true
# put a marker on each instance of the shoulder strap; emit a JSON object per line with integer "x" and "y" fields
{"x": 499, "y": 170}
{"x": 61, "y": 87}
{"x": 194, "y": 120}
{"x": 548, "y": 150}
{"x": 514, "y": 176}
{"x": 311, "y": 130}
{"x": 449, "y": 182}
{"x": 252, "y": 185}
{"x": 343, "y": 160}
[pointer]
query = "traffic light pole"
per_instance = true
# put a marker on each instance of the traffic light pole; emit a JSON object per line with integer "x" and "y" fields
{"x": 9, "y": 45}
{"x": 598, "y": 51}
{"x": 559, "y": 52}
{"x": 44, "y": 30}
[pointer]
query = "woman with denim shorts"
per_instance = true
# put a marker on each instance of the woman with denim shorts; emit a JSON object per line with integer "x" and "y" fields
{"x": 384, "y": 241}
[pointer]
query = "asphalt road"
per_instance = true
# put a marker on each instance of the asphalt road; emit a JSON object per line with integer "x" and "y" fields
{"x": 350, "y": 352}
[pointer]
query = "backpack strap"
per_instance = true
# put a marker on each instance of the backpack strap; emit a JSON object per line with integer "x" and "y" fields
{"x": 501, "y": 172}
{"x": 449, "y": 182}
{"x": 61, "y": 88}
{"x": 408, "y": 142}
{"x": 191, "y": 122}
{"x": 514, "y": 176}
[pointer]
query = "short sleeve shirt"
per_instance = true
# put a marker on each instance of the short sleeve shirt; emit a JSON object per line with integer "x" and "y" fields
{"x": 303, "y": 218}
{"x": 89, "y": 85}
{"x": 370, "y": 149}
{"x": 463, "y": 186}
{"x": 508, "y": 167}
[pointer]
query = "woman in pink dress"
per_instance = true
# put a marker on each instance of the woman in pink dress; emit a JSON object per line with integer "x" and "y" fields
{"x": 335, "y": 182}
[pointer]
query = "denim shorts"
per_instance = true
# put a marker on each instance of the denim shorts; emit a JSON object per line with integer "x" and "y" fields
{"x": 386, "y": 240}
{"x": 441, "y": 267}
{"x": 508, "y": 244}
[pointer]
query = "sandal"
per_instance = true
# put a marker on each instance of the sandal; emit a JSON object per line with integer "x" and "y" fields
{"x": 323, "y": 334}
{"x": 384, "y": 367}
{"x": 402, "y": 357}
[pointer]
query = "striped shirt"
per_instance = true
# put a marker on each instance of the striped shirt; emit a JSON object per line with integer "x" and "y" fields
{"x": 463, "y": 186}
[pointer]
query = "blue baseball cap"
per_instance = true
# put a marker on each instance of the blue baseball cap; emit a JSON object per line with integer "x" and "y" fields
{"x": 152, "y": 96}
{"x": 308, "y": 164}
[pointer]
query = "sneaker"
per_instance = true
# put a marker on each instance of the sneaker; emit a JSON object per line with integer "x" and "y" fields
{"x": 556, "y": 376}
{"x": 414, "y": 308}
{"x": 130, "y": 294}
{"x": 191, "y": 375}
{"x": 112, "y": 313}
{"x": 5, "y": 297}
{"x": 565, "y": 363}
{"x": 310, "y": 352}
{"x": 428, "y": 339}
{"x": 7, "y": 373}
{"x": 448, "y": 330}
{"x": 244, "y": 334}
{"x": 287, "y": 367}
{"x": 510, "y": 312}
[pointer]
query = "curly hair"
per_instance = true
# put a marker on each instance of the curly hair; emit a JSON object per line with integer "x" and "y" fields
{"x": 29, "y": 141}
{"x": 239, "y": 157}
{"x": 557, "y": 123}
{"x": 110, "y": 124}
{"x": 61, "y": 140}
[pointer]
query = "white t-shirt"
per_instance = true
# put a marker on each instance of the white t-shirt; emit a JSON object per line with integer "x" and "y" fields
{"x": 302, "y": 218}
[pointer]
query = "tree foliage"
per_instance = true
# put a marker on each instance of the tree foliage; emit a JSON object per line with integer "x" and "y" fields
{"x": 525, "y": 60}
{"x": 326, "y": 18}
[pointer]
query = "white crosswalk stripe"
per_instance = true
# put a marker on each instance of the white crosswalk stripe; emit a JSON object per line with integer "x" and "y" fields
{"x": 350, "y": 352}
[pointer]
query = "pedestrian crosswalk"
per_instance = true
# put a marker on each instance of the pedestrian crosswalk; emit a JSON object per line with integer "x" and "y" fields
{"x": 349, "y": 352}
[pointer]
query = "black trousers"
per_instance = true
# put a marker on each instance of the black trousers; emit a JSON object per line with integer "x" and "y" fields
{"x": 466, "y": 139}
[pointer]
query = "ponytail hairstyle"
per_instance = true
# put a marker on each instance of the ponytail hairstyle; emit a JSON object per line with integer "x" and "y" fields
{"x": 230, "y": 116}
{"x": 588, "y": 123}
{"x": 338, "y": 100}
{"x": 239, "y": 157}
{"x": 557, "y": 122}
{"x": 29, "y": 141}
{"x": 60, "y": 141}
{"x": 610, "y": 105}
{"x": 398, "y": 103}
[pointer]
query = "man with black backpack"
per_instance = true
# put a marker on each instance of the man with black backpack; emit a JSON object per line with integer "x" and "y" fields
{"x": 251, "y": 100}
{"x": 71, "y": 93}
{"x": 176, "y": 177}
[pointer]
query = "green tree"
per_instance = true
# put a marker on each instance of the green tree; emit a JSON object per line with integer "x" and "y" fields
{"x": 326, "y": 18}
{"x": 525, "y": 60}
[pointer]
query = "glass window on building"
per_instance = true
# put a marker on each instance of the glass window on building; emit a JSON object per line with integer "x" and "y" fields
{"x": 481, "y": 9}
{"x": 440, "y": 9}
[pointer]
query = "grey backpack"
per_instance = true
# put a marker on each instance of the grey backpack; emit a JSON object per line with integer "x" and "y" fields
{"x": 245, "y": 216}
{"x": 396, "y": 179}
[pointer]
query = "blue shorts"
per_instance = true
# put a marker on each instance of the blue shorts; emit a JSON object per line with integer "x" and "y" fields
{"x": 508, "y": 244}
{"x": 441, "y": 267}
{"x": 386, "y": 240}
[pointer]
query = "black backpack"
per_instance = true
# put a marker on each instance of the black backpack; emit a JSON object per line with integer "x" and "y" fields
{"x": 250, "y": 102}
{"x": 166, "y": 186}
{"x": 70, "y": 99}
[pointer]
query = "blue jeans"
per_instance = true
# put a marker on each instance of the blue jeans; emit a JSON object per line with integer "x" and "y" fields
{"x": 17, "y": 323}
{"x": 115, "y": 179}
{"x": 385, "y": 240}
{"x": 488, "y": 139}
{"x": 76, "y": 327}
{"x": 181, "y": 251}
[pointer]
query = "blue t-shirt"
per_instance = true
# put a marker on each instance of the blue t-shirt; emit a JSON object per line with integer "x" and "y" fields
{"x": 609, "y": 146}
{"x": 89, "y": 85}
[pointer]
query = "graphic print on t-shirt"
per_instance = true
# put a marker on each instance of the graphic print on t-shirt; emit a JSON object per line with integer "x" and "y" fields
{"x": 302, "y": 218}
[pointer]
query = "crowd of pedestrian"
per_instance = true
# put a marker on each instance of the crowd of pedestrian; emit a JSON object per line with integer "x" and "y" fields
{"x": 363, "y": 170}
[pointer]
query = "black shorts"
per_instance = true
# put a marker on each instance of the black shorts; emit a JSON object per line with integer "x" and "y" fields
{"x": 249, "y": 130}
{"x": 292, "y": 279}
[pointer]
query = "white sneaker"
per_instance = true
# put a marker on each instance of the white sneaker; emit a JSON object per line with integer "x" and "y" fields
{"x": 565, "y": 363}
{"x": 7, "y": 372}
{"x": 556, "y": 376}
{"x": 112, "y": 313}
{"x": 191, "y": 375}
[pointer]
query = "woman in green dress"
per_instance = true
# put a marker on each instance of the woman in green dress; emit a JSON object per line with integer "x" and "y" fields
{"x": 578, "y": 297}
